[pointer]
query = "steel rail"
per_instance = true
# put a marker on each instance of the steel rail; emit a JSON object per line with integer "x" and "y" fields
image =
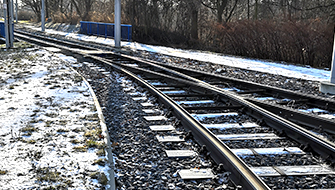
{"x": 221, "y": 154}
{"x": 242, "y": 174}
{"x": 295, "y": 116}
{"x": 312, "y": 100}
{"x": 301, "y": 135}
{"x": 298, "y": 117}
{"x": 321, "y": 146}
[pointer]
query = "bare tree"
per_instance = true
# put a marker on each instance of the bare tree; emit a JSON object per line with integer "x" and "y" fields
{"x": 83, "y": 8}
{"x": 35, "y": 6}
{"x": 221, "y": 8}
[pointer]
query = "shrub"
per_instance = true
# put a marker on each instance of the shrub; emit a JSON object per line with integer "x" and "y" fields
{"x": 305, "y": 43}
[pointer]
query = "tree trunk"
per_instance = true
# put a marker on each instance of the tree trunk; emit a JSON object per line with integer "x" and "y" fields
{"x": 194, "y": 24}
{"x": 282, "y": 6}
{"x": 248, "y": 9}
{"x": 46, "y": 9}
{"x": 256, "y": 10}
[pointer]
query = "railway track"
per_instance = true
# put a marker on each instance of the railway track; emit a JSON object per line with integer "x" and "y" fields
{"x": 256, "y": 145}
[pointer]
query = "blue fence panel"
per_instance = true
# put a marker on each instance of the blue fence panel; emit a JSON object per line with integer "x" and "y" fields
{"x": 105, "y": 29}
{"x": 83, "y": 28}
{"x": 2, "y": 29}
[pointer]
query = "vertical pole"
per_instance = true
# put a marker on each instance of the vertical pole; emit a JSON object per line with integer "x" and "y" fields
{"x": 11, "y": 22}
{"x": 117, "y": 18}
{"x": 43, "y": 16}
{"x": 5, "y": 16}
{"x": 16, "y": 10}
{"x": 8, "y": 24}
{"x": 332, "y": 74}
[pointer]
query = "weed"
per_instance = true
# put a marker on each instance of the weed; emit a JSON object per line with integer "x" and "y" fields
{"x": 101, "y": 177}
{"x": 93, "y": 109}
{"x": 75, "y": 141}
{"x": 101, "y": 152}
{"x": 33, "y": 120}
{"x": 80, "y": 148}
{"x": 74, "y": 110}
{"x": 62, "y": 130}
{"x": 45, "y": 174}
{"x": 52, "y": 115}
{"x": 32, "y": 141}
{"x": 28, "y": 129}
{"x": 62, "y": 122}
{"x": 78, "y": 79}
{"x": 48, "y": 123}
{"x": 37, "y": 155}
{"x": 92, "y": 117}
{"x": 32, "y": 57}
{"x": 103, "y": 180}
{"x": 100, "y": 162}
{"x": 3, "y": 172}
{"x": 49, "y": 134}
{"x": 93, "y": 133}
{"x": 93, "y": 144}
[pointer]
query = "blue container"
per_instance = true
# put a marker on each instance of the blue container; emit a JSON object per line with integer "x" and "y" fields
{"x": 105, "y": 29}
{"x": 2, "y": 29}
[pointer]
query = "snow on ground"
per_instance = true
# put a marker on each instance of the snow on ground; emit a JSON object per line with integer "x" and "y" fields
{"x": 244, "y": 63}
{"x": 50, "y": 133}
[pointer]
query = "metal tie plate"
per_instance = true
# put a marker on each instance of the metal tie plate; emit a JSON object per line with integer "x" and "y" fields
{"x": 170, "y": 138}
{"x": 213, "y": 115}
{"x": 150, "y": 111}
{"x": 180, "y": 153}
{"x": 293, "y": 170}
{"x": 166, "y": 88}
{"x": 231, "y": 126}
{"x": 327, "y": 116}
{"x": 196, "y": 174}
{"x": 268, "y": 151}
{"x": 147, "y": 104}
{"x": 195, "y": 102}
{"x": 255, "y": 136}
{"x": 140, "y": 98}
{"x": 174, "y": 92}
{"x": 155, "y": 118}
{"x": 162, "y": 128}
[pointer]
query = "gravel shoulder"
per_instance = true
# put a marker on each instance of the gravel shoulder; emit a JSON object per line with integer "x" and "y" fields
{"x": 50, "y": 132}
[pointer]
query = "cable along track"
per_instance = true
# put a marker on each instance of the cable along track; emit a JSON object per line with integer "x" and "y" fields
{"x": 215, "y": 116}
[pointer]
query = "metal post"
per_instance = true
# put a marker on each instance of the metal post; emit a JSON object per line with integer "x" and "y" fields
{"x": 117, "y": 28}
{"x": 332, "y": 74}
{"x": 5, "y": 16}
{"x": 328, "y": 87}
{"x": 16, "y": 10}
{"x": 8, "y": 24}
{"x": 43, "y": 16}
{"x": 11, "y": 23}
